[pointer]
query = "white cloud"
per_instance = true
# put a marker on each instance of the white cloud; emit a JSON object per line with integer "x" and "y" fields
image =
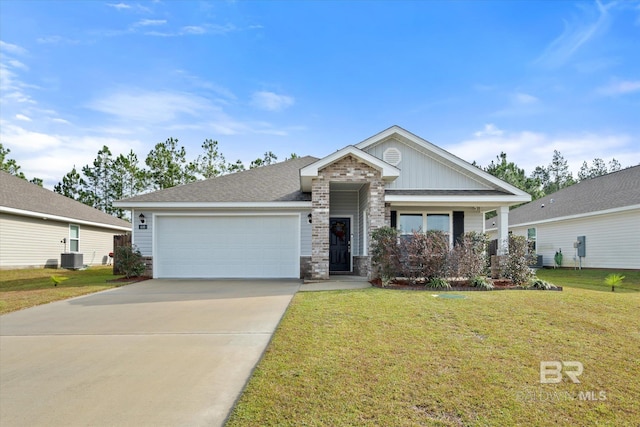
{"x": 151, "y": 107}
{"x": 489, "y": 130}
{"x": 529, "y": 149}
{"x": 620, "y": 88}
{"x": 576, "y": 34}
{"x": 271, "y": 101}
{"x": 12, "y": 48}
{"x": 150, "y": 22}
{"x": 56, "y": 40}
{"x": 23, "y": 118}
{"x": 520, "y": 98}
{"x": 119, "y": 6}
{"x": 193, "y": 29}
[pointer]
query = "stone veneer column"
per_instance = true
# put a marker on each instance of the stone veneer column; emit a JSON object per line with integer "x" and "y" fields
{"x": 320, "y": 228}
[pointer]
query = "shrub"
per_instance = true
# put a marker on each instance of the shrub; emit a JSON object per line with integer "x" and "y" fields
{"x": 385, "y": 253}
{"x": 469, "y": 256}
{"x": 515, "y": 266}
{"x": 536, "y": 283}
{"x": 129, "y": 261}
{"x": 424, "y": 255}
{"x": 438, "y": 283}
{"x": 481, "y": 282}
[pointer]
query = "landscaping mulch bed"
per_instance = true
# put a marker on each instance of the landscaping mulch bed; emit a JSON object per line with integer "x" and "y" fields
{"x": 456, "y": 285}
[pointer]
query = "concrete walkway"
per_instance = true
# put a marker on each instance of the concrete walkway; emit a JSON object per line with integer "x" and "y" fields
{"x": 155, "y": 353}
{"x": 336, "y": 283}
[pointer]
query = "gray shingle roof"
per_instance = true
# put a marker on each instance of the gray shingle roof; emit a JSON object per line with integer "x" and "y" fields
{"x": 17, "y": 193}
{"x": 614, "y": 190}
{"x": 279, "y": 182}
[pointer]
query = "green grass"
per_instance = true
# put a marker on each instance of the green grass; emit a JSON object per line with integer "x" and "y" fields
{"x": 30, "y": 287}
{"x": 591, "y": 279}
{"x": 379, "y": 357}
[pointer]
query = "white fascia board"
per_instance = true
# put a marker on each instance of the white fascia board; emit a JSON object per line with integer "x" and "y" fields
{"x": 307, "y": 173}
{"x": 45, "y": 216}
{"x": 470, "y": 200}
{"x": 397, "y": 130}
{"x": 212, "y": 205}
{"x": 578, "y": 216}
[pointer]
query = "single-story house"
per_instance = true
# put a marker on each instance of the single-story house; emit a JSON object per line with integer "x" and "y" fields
{"x": 38, "y": 225}
{"x": 310, "y": 217}
{"x": 594, "y": 223}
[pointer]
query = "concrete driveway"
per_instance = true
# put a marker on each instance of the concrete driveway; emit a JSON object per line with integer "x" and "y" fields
{"x": 155, "y": 353}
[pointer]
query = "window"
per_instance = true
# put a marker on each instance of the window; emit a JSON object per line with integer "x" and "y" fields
{"x": 419, "y": 222}
{"x": 438, "y": 222}
{"x": 74, "y": 238}
{"x": 531, "y": 236}
{"x": 410, "y": 223}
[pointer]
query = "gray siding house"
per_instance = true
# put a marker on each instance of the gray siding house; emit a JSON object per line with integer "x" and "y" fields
{"x": 310, "y": 217}
{"x": 604, "y": 210}
{"x": 37, "y": 225}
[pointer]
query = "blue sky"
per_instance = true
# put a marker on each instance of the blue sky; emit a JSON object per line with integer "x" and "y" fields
{"x": 473, "y": 77}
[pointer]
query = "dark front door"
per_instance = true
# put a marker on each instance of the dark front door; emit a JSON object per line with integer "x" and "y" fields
{"x": 340, "y": 244}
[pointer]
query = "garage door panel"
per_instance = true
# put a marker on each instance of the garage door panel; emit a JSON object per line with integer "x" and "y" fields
{"x": 221, "y": 246}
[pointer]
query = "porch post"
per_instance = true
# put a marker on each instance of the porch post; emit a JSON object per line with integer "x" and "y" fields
{"x": 320, "y": 228}
{"x": 377, "y": 214}
{"x": 503, "y": 230}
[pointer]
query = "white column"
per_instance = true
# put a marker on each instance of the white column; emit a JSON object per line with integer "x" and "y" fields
{"x": 503, "y": 230}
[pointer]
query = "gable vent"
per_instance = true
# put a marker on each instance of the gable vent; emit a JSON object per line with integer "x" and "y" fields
{"x": 392, "y": 156}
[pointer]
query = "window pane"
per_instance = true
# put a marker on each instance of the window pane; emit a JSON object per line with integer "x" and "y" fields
{"x": 438, "y": 222}
{"x": 74, "y": 231}
{"x": 410, "y": 223}
{"x": 531, "y": 234}
{"x": 73, "y": 245}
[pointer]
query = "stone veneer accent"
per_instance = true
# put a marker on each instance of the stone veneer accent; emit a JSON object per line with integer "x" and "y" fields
{"x": 305, "y": 267}
{"x": 362, "y": 266}
{"x": 347, "y": 169}
{"x": 148, "y": 266}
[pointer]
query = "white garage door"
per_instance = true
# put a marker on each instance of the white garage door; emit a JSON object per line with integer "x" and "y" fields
{"x": 227, "y": 246}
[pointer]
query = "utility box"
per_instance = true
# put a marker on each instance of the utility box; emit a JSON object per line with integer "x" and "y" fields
{"x": 71, "y": 261}
{"x": 582, "y": 246}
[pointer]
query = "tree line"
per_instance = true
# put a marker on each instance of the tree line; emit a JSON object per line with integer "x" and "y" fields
{"x": 550, "y": 178}
{"x": 111, "y": 178}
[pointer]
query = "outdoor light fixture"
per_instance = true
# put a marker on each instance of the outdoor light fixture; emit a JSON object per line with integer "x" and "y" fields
{"x": 141, "y": 216}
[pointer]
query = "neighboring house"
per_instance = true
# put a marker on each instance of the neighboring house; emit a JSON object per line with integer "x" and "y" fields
{"x": 604, "y": 210}
{"x": 310, "y": 217}
{"x": 38, "y": 225}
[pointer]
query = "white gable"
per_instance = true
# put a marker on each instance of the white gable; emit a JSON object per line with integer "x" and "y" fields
{"x": 425, "y": 166}
{"x": 419, "y": 170}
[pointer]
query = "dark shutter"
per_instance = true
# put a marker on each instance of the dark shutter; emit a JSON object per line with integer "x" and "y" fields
{"x": 394, "y": 219}
{"x": 458, "y": 226}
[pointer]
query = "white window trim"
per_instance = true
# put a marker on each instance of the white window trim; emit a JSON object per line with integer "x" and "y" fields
{"x": 74, "y": 238}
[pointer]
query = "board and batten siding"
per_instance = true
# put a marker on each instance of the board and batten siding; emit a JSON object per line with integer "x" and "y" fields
{"x": 32, "y": 242}
{"x": 305, "y": 234}
{"x": 612, "y": 240}
{"x": 143, "y": 239}
{"x": 420, "y": 171}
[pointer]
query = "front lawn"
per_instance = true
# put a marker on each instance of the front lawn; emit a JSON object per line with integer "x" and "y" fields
{"x": 401, "y": 358}
{"x": 30, "y": 287}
